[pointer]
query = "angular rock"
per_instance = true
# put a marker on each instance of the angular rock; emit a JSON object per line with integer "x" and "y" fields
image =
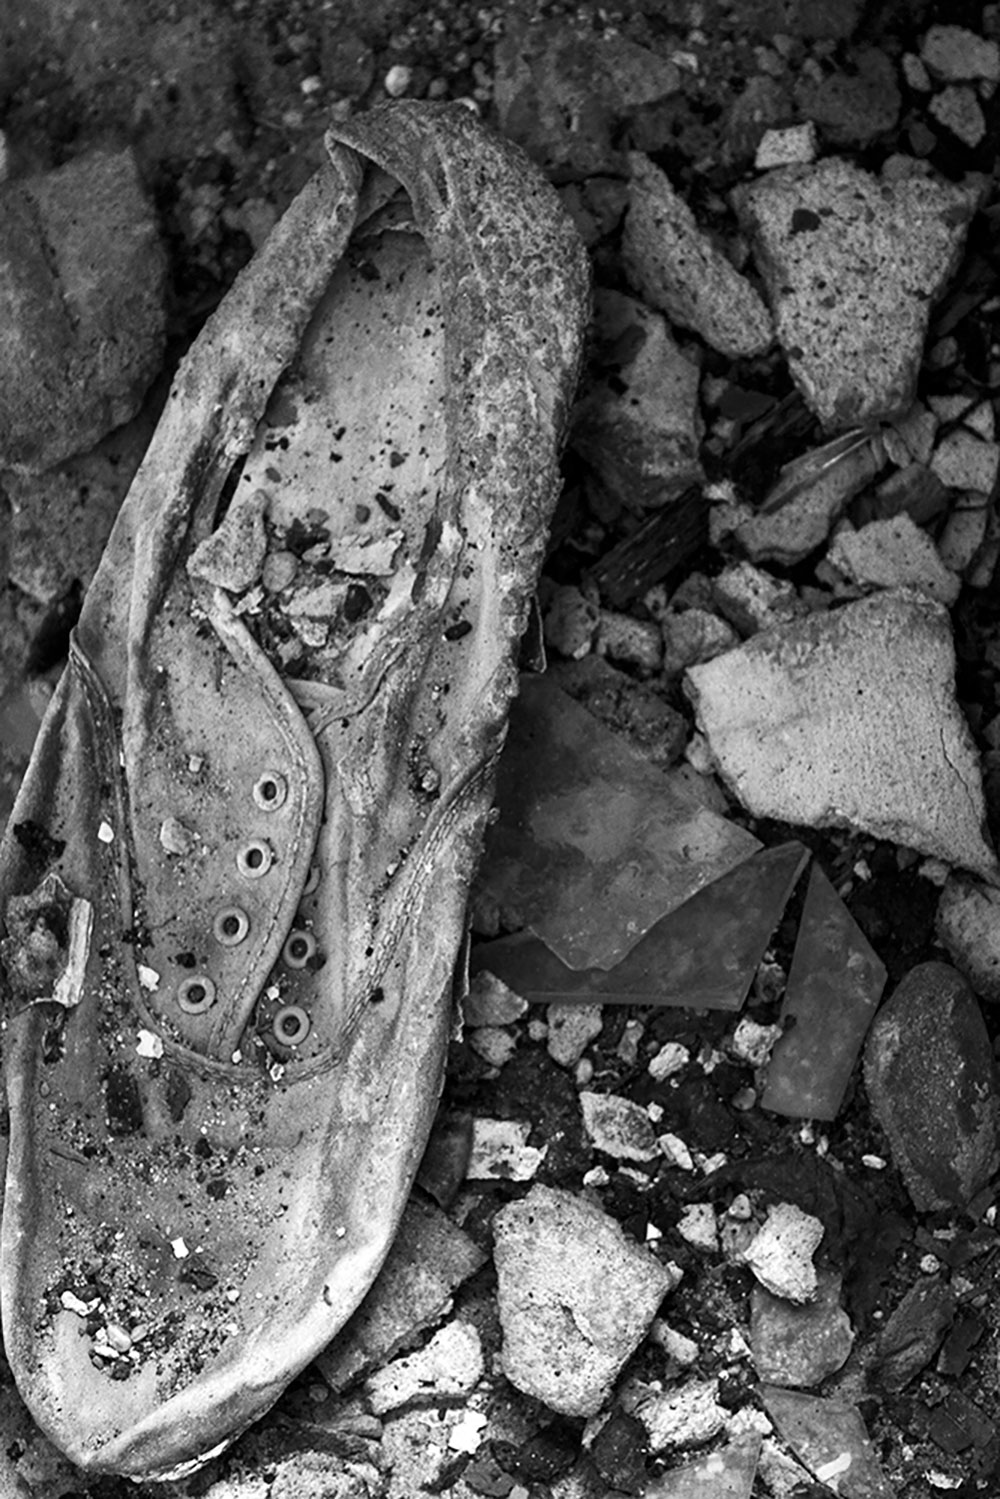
{"x": 753, "y": 600}
{"x": 571, "y": 1030}
{"x": 968, "y": 925}
{"x": 490, "y": 1003}
{"x": 691, "y": 636}
{"x": 893, "y": 553}
{"x": 958, "y": 110}
{"x": 954, "y": 53}
{"x": 673, "y": 265}
{"x": 687, "y": 1416}
{"x": 852, "y": 265}
{"x": 964, "y": 461}
{"x": 500, "y": 1151}
{"x": 800, "y": 1345}
{"x": 430, "y": 1258}
{"x": 637, "y": 423}
{"x": 811, "y": 493}
{"x": 451, "y": 1364}
{"x": 618, "y": 1127}
{"x": 848, "y": 719}
{"x": 780, "y": 1254}
{"x": 559, "y": 90}
{"x": 931, "y": 1080}
{"x": 853, "y": 108}
{"x": 785, "y": 148}
{"x": 913, "y": 1333}
{"x": 82, "y": 276}
{"x": 575, "y": 1298}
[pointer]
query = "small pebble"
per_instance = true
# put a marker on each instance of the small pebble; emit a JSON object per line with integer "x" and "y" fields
{"x": 397, "y": 80}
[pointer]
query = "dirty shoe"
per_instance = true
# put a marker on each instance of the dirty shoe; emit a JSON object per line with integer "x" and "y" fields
{"x": 234, "y": 884}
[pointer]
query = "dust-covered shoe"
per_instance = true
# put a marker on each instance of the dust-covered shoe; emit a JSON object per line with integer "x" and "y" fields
{"x": 235, "y": 879}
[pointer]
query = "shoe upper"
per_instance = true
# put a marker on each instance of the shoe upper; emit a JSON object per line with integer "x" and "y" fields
{"x": 232, "y": 897}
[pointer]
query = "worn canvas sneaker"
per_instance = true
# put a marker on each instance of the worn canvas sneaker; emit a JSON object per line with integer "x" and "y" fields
{"x": 235, "y": 879}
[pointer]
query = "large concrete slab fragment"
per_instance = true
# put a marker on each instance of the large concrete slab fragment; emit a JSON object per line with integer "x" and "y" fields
{"x": 848, "y": 719}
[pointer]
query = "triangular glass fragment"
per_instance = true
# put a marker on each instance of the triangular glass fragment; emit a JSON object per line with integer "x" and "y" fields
{"x": 727, "y": 1473}
{"x": 594, "y": 843}
{"x": 703, "y": 955}
{"x": 834, "y": 987}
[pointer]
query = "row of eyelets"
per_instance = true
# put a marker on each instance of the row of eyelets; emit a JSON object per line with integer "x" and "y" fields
{"x": 196, "y": 994}
{"x": 291, "y": 1025}
{"x": 270, "y": 791}
{"x": 254, "y": 859}
{"x": 231, "y": 926}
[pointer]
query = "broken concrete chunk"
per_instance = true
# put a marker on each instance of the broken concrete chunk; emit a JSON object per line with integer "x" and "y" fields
{"x": 962, "y": 460}
{"x": 233, "y": 556}
{"x": 575, "y": 1298}
{"x": 450, "y": 1365}
{"x": 753, "y": 600}
{"x": 954, "y": 53}
{"x": 638, "y": 423}
{"x": 693, "y": 635}
{"x": 958, "y": 110}
{"x": 500, "y": 1151}
{"x": 618, "y": 1127}
{"x": 82, "y": 275}
{"x": 430, "y": 1258}
{"x": 780, "y": 1254}
{"x": 893, "y": 553}
{"x": 930, "y": 1077}
{"x": 489, "y": 1003}
{"x": 688, "y": 1416}
{"x": 968, "y": 925}
{"x": 800, "y": 1345}
{"x": 848, "y": 719}
{"x": 784, "y": 148}
{"x": 852, "y": 265}
{"x": 834, "y": 986}
{"x": 571, "y": 1030}
{"x": 809, "y": 496}
{"x": 674, "y": 266}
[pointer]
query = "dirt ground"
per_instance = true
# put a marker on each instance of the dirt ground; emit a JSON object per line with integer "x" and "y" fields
{"x": 224, "y": 108}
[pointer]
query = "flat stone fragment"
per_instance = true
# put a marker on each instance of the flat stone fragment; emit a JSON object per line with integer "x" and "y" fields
{"x": 451, "y": 1364}
{"x": 594, "y": 842}
{"x": 852, "y": 265}
{"x": 430, "y": 1258}
{"x": 913, "y": 1334}
{"x": 848, "y": 719}
{"x": 968, "y": 925}
{"x": 963, "y": 461}
{"x": 673, "y": 266}
{"x": 955, "y": 53}
{"x": 783, "y": 148}
{"x": 893, "y": 553}
{"x": 829, "y": 1438}
{"x": 703, "y": 956}
{"x": 82, "y": 277}
{"x": 575, "y": 1298}
{"x": 931, "y": 1080}
{"x": 618, "y": 1127}
{"x": 800, "y": 1345}
{"x": 834, "y": 987}
{"x": 727, "y": 1473}
{"x": 637, "y": 423}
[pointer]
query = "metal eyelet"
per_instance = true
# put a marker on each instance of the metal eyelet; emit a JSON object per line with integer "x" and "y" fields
{"x": 231, "y": 926}
{"x": 254, "y": 859}
{"x": 298, "y": 949}
{"x": 291, "y": 1025}
{"x": 270, "y": 791}
{"x": 195, "y": 995}
{"x": 312, "y": 880}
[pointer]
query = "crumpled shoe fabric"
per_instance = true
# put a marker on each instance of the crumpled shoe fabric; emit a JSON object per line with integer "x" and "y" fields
{"x": 234, "y": 885}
